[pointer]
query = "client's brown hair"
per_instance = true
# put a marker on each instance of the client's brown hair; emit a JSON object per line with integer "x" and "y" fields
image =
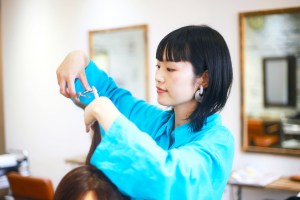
{"x": 76, "y": 183}
{"x": 96, "y": 136}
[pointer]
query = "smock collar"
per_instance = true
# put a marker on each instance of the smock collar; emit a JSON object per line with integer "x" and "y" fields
{"x": 182, "y": 134}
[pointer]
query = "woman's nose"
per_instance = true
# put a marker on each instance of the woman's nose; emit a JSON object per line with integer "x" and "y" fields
{"x": 159, "y": 76}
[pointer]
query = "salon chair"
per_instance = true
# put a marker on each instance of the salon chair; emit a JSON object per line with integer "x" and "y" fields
{"x": 28, "y": 187}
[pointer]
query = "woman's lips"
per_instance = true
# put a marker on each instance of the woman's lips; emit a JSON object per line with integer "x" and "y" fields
{"x": 160, "y": 91}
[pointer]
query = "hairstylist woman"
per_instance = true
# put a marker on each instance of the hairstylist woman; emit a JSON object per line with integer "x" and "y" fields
{"x": 151, "y": 153}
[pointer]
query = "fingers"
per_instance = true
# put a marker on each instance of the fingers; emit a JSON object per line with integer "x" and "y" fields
{"x": 73, "y": 66}
{"x": 71, "y": 88}
{"x": 96, "y": 95}
{"x": 87, "y": 128}
{"x": 84, "y": 81}
{"x": 67, "y": 86}
{"x": 61, "y": 82}
{"x": 62, "y": 88}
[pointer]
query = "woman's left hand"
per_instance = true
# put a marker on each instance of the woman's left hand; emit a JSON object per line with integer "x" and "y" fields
{"x": 101, "y": 110}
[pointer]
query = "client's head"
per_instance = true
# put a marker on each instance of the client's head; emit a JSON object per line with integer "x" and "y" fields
{"x": 87, "y": 182}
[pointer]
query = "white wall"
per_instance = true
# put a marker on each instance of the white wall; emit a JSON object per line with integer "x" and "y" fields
{"x": 37, "y": 34}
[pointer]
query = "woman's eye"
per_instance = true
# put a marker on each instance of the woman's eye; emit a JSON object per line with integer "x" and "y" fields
{"x": 157, "y": 66}
{"x": 170, "y": 70}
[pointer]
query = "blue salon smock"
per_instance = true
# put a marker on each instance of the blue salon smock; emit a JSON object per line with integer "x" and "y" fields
{"x": 146, "y": 159}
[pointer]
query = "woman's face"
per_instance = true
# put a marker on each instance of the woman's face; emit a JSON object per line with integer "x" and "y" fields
{"x": 176, "y": 83}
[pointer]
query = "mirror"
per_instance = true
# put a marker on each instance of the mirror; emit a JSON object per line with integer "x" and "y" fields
{"x": 122, "y": 53}
{"x": 270, "y": 86}
{"x": 2, "y": 137}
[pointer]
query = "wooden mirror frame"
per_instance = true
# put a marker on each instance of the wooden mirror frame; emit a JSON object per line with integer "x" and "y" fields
{"x": 245, "y": 135}
{"x": 136, "y": 50}
{"x": 2, "y": 136}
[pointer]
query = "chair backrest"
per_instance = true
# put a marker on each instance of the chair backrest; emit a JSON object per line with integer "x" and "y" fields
{"x": 28, "y": 187}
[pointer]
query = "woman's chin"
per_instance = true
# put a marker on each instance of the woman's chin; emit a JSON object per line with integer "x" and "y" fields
{"x": 163, "y": 103}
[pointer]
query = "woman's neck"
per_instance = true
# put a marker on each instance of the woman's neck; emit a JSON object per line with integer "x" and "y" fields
{"x": 182, "y": 113}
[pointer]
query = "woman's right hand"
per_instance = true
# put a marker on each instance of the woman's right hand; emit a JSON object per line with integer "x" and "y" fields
{"x": 72, "y": 67}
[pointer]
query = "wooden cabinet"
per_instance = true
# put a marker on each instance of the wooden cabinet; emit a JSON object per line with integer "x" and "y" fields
{"x": 263, "y": 133}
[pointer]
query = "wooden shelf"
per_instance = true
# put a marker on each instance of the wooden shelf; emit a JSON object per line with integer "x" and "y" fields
{"x": 284, "y": 184}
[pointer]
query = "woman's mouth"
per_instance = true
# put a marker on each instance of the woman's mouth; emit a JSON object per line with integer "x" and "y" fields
{"x": 160, "y": 91}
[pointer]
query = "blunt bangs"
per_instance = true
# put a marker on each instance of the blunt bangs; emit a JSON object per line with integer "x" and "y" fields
{"x": 175, "y": 47}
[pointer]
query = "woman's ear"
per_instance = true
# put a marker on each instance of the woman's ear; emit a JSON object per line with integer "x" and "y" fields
{"x": 203, "y": 80}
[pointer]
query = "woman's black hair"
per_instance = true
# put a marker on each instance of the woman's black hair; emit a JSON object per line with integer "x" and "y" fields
{"x": 207, "y": 50}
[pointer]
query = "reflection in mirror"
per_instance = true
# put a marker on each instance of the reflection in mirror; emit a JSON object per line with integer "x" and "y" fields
{"x": 122, "y": 53}
{"x": 270, "y": 68}
{"x": 279, "y": 76}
